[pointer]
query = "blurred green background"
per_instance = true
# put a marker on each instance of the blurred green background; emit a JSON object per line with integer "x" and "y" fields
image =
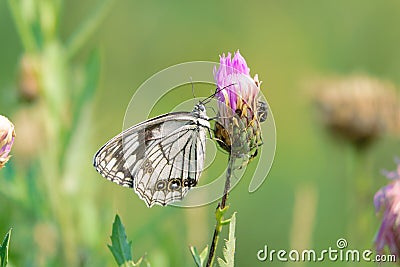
{"x": 307, "y": 200}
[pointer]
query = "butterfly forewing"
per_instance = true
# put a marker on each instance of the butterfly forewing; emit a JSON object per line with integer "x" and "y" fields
{"x": 161, "y": 158}
{"x": 109, "y": 162}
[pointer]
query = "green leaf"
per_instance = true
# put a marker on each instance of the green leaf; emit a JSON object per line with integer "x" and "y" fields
{"x": 4, "y": 249}
{"x": 82, "y": 99}
{"x": 196, "y": 256}
{"x": 120, "y": 247}
{"x": 203, "y": 255}
{"x": 92, "y": 74}
{"x": 229, "y": 249}
{"x": 199, "y": 259}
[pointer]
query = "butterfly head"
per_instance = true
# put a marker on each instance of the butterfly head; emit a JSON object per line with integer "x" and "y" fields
{"x": 200, "y": 110}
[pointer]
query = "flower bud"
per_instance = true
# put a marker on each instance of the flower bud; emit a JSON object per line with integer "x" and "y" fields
{"x": 7, "y": 135}
{"x": 237, "y": 129}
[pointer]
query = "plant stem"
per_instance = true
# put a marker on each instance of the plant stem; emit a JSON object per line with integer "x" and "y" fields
{"x": 79, "y": 38}
{"x": 221, "y": 209}
{"x": 24, "y": 32}
{"x": 227, "y": 182}
{"x": 213, "y": 247}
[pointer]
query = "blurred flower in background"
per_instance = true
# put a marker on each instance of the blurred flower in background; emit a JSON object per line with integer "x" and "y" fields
{"x": 358, "y": 108}
{"x": 28, "y": 83}
{"x": 237, "y": 127}
{"x": 44, "y": 192}
{"x": 31, "y": 133}
{"x": 387, "y": 201}
{"x": 7, "y": 135}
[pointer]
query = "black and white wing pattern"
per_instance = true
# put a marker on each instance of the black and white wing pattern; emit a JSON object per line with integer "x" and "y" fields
{"x": 160, "y": 158}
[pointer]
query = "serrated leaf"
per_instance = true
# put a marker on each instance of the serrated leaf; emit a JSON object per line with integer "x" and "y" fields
{"x": 120, "y": 247}
{"x": 4, "y": 249}
{"x": 199, "y": 259}
{"x": 203, "y": 255}
{"x": 229, "y": 249}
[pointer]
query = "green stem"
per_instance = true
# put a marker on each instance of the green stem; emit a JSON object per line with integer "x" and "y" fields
{"x": 360, "y": 186}
{"x": 80, "y": 37}
{"x": 221, "y": 209}
{"x": 25, "y": 33}
{"x": 227, "y": 182}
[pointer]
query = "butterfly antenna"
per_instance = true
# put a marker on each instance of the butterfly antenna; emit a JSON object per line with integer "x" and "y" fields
{"x": 191, "y": 81}
{"x": 220, "y": 117}
{"x": 208, "y": 99}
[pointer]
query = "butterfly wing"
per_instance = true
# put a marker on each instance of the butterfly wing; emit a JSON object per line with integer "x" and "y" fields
{"x": 110, "y": 162}
{"x": 160, "y": 158}
{"x": 172, "y": 165}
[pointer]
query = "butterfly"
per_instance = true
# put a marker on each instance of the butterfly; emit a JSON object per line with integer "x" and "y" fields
{"x": 160, "y": 158}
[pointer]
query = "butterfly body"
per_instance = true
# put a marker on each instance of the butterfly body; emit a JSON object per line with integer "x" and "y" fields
{"x": 160, "y": 158}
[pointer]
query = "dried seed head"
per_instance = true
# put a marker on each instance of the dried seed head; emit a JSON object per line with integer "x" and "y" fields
{"x": 28, "y": 83}
{"x": 358, "y": 108}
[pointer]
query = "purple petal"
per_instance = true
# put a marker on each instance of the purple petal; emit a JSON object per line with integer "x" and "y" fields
{"x": 379, "y": 199}
{"x": 239, "y": 64}
{"x": 391, "y": 175}
{"x": 388, "y": 198}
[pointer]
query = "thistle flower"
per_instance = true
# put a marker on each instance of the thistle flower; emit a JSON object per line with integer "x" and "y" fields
{"x": 7, "y": 135}
{"x": 387, "y": 199}
{"x": 358, "y": 108}
{"x": 237, "y": 129}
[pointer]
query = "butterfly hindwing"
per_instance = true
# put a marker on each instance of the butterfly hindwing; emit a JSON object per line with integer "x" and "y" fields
{"x": 172, "y": 165}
